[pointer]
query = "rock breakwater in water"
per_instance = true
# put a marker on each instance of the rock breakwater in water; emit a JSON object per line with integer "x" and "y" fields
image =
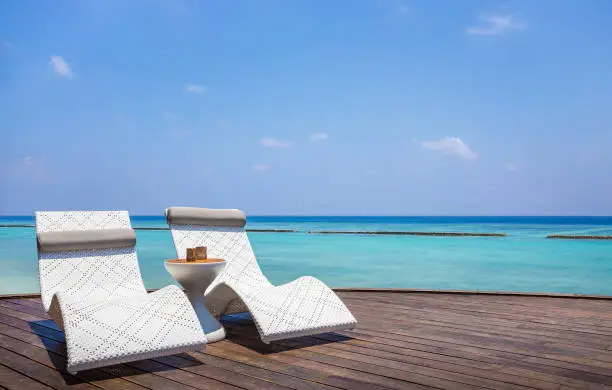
{"x": 434, "y": 234}
{"x": 571, "y": 237}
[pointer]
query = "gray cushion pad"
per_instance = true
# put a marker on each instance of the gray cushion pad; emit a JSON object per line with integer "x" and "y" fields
{"x": 205, "y": 217}
{"x": 85, "y": 239}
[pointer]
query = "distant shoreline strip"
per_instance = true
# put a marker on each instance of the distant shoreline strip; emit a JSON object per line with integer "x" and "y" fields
{"x": 19, "y": 226}
{"x": 434, "y": 234}
{"x": 380, "y": 233}
{"x": 570, "y": 237}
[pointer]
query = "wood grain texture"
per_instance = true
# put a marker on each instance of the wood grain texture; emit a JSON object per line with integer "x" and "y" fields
{"x": 196, "y": 261}
{"x": 409, "y": 340}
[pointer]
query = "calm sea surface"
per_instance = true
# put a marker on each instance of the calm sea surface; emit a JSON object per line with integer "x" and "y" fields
{"x": 523, "y": 261}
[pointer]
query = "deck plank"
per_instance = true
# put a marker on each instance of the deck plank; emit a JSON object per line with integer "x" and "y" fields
{"x": 418, "y": 374}
{"x": 10, "y": 379}
{"x": 450, "y": 316}
{"x": 40, "y": 372}
{"x": 486, "y": 363}
{"x": 590, "y": 322}
{"x": 411, "y": 340}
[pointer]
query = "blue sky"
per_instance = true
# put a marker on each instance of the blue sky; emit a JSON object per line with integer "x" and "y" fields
{"x": 307, "y": 107}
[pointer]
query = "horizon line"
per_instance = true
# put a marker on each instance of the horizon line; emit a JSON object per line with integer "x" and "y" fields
{"x": 377, "y": 215}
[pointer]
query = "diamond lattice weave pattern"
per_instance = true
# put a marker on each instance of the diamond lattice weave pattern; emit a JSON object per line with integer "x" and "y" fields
{"x": 98, "y": 298}
{"x": 120, "y": 330}
{"x": 302, "y": 307}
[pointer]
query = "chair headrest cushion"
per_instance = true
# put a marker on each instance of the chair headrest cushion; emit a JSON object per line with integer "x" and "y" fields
{"x": 72, "y": 240}
{"x": 205, "y": 217}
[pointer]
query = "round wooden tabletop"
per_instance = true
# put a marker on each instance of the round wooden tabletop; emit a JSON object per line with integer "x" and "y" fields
{"x": 200, "y": 261}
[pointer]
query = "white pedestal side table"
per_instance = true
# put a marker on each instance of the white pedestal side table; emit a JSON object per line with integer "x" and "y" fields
{"x": 195, "y": 277}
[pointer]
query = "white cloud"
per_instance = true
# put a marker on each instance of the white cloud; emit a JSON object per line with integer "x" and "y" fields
{"x": 320, "y": 136}
{"x": 195, "y": 88}
{"x": 274, "y": 143}
{"x": 511, "y": 167}
{"x": 33, "y": 167}
{"x": 60, "y": 67}
{"x": 178, "y": 133}
{"x": 28, "y": 168}
{"x": 120, "y": 118}
{"x": 451, "y": 145}
{"x": 494, "y": 25}
{"x": 403, "y": 9}
{"x": 260, "y": 167}
{"x": 28, "y": 161}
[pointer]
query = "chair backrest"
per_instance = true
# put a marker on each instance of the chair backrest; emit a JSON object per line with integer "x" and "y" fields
{"x": 222, "y": 232}
{"x": 93, "y": 274}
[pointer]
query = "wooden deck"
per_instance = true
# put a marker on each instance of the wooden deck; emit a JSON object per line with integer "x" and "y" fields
{"x": 403, "y": 341}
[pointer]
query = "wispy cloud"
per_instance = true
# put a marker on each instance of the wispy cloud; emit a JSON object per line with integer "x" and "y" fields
{"x": 260, "y": 167}
{"x": 28, "y": 161}
{"x": 403, "y": 10}
{"x": 452, "y": 146}
{"x": 269, "y": 142}
{"x": 169, "y": 116}
{"x": 494, "y": 25}
{"x": 511, "y": 167}
{"x": 195, "y": 88}
{"x": 178, "y": 133}
{"x": 34, "y": 168}
{"x": 320, "y": 136}
{"x": 60, "y": 67}
{"x": 179, "y": 8}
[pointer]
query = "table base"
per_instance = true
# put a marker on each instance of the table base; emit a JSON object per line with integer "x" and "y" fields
{"x": 210, "y": 325}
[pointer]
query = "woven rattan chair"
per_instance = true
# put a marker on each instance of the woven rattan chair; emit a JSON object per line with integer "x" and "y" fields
{"x": 303, "y": 307}
{"x": 91, "y": 287}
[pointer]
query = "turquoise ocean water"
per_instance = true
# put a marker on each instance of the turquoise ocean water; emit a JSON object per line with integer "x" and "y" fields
{"x": 523, "y": 261}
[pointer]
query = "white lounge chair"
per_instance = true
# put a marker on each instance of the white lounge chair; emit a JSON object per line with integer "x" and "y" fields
{"x": 303, "y": 307}
{"x": 91, "y": 286}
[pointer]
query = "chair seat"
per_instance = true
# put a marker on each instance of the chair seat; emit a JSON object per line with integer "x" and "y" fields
{"x": 302, "y": 307}
{"x": 114, "y": 331}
